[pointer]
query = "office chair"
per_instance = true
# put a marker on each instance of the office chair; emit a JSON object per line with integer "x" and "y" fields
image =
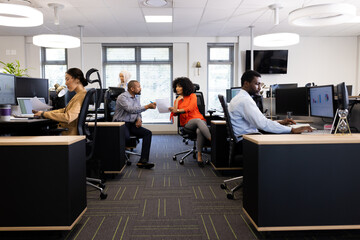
{"x": 109, "y": 108}
{"x": 188, "y": 134}
{"x": 84, "y": 130}
{"x": 235, "y": 148}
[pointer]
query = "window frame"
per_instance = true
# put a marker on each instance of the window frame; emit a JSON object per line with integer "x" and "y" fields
{"x": 138, "y": 62}
{"x": 45, "y": 62}
{"x": 220, "y": 62}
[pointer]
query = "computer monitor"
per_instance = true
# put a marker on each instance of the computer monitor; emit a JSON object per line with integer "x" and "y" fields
{"x": 343, "y": 98}
{"x": 32, "y": 87}
{"x": 274, "y": 87}
{"x": 295, "y": 100}
{"x": 322, "y": 101}
{"x": 231, "y": 93}
{"x": 7, "y": 89}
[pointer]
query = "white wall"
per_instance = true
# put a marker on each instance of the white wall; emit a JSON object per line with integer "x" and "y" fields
{"x": 323, "y": 60}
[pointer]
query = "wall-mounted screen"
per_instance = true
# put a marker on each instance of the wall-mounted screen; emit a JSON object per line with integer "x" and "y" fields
{"x": 268, "y": 61}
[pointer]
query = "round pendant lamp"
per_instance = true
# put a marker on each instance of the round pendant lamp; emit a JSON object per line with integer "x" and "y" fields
{"x": 56, "y": 41}
{"x": 276, "y": 40}
{"x": 322, "y": 15}
{"x": 13, "y": 15}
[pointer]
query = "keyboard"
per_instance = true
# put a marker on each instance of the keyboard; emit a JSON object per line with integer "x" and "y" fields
{"x": 323, "y": 131}
{"x": 24, "y": 115}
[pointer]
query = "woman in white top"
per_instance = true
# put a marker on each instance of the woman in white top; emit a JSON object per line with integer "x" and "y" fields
{"x": 124, "y": 78}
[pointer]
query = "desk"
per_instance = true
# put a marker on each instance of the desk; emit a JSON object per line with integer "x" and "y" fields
{"x": 302, "y": 182}
{"x": 28, "y": 127}
{"x": 220, "y": 147}
{"x": 44, "y": 182}
{"x": 110, "y": 146}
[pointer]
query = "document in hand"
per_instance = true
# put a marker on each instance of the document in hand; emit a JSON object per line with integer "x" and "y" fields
{"x": 38, "y": 105}
{"x": 163, "y": 105}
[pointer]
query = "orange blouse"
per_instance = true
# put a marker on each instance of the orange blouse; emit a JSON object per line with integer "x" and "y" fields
{"x": 189, "y": 104}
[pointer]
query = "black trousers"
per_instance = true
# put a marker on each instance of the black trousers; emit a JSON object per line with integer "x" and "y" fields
{"x": 145, "y": 134}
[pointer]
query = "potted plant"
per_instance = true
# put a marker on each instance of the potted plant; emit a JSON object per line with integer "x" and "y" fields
{"x": 14, "y": 68}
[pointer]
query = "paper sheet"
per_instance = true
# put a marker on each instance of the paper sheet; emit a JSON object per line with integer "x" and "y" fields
{"x": 37, "y": 105}
{"x": 163, "y": 105}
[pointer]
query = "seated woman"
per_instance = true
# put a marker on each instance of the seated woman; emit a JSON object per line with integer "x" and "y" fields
{"x": 68, "y": 116}
{"x": 191, "y": 118}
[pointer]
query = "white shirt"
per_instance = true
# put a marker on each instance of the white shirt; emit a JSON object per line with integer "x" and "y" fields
{"x": 247, "y": 118}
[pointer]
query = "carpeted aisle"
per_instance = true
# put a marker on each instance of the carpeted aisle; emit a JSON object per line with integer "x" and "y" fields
{"x": 170, "y": 201}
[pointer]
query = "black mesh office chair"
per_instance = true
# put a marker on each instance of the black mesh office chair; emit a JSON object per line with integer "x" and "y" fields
{"x": 109, "y": 108}
{"x": 91, "y": 96}
{"x": 235, "y": 148}
{"x": 188, "y": 134}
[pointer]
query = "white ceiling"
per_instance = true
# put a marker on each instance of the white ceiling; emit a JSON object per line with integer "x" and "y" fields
{"x": 191, "y": 18}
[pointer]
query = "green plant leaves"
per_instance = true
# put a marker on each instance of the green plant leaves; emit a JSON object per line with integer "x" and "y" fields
{"x": 14, "y": 68}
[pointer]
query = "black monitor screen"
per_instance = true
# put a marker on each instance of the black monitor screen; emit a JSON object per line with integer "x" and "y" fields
{"x": 343, "y": 97}
{"x": 322, "y": 101}
{"x": 268, "y": 61}
{"x": 293, "y": 100}
{"x": 7, "y": 89}
{"x": 32, "y": 87}
{"x": 275, "y": 87}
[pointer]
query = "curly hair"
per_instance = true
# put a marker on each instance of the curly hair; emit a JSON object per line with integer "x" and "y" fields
{"x": 185, "y": 83}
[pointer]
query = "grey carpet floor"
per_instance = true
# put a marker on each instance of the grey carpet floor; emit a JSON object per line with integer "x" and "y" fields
{"x": 170, "y": 201}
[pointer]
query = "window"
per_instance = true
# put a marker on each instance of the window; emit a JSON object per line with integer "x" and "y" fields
{"x": 54, "y": 65}
{"x": 220, "y": 72}
{"x": 151, "y": 65}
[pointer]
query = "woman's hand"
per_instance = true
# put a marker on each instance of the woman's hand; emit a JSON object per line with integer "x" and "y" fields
{"x": 172, "y": 109}
{"x": 37, "y": 113}
{"x": 138, "y": 123}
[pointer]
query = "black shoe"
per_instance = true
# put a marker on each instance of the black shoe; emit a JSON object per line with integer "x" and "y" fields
{"x": 146, "y": 165}
{"x": 201, "y": 164}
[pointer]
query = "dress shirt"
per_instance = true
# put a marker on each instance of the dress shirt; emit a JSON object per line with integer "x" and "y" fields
{"x": 247, "y": 118}
{"x": 128, "y": 108}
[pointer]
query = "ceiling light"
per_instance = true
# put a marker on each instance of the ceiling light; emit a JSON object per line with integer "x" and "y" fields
{"x": 158, "y": 19}
{"x": 13, "y": 15}
{"x": 276, "y": 40}
{"x": 276, "y": 8}
{"x": 56, "y": 41}
{"x": 322, "y": 14}
{"x": 155, "y": 3}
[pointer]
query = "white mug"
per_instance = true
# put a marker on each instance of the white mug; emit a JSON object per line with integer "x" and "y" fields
{"x": 5, "y": 112}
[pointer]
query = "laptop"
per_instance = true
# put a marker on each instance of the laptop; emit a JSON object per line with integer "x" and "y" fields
{"x": 26, "y": 107}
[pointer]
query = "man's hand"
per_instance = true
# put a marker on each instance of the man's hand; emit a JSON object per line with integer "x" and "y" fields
{"x": 287, "y": 121}
{"x": 138, "y": 123}
{"x": 301, "y": 129}
{"x": 151, "y": 105}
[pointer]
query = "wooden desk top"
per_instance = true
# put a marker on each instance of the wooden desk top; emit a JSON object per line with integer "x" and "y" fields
{"x": 40, "y": 140}
{"x": 278, "y": 139}
{"x": 106, "y": 124}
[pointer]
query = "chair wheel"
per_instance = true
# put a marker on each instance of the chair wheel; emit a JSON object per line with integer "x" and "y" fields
{"x": 103, "y": 196}
{"x": 102, "y": 186}
{"x": 174, "y": 158}
{"x": 223, "y": 186}
{"x": 230, "y": 196}
{"x": 128, "y": 163}
{"x": 181, "y": 162}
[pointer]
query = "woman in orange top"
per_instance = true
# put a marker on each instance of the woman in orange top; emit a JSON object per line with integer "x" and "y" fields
{"x": 190, "y": 117}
